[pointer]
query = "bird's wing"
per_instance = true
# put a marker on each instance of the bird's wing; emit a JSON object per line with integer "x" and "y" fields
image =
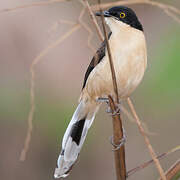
{"x": 96, "y": 59}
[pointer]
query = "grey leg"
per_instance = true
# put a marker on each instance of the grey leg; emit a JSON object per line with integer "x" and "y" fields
{"x": 102, "y": 100}
{"x": 108, "y": 110}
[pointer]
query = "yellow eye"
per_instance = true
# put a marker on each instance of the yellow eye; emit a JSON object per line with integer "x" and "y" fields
{"x": 122, "y": 15}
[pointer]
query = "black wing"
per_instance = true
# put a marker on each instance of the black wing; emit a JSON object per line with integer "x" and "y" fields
{"x": 96, "y": 59}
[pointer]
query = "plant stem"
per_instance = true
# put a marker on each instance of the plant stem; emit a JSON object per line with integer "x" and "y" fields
{"x": 119, "y": 154}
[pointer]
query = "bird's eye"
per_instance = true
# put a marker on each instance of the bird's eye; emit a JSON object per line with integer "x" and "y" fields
{"x": 122, "y": 15}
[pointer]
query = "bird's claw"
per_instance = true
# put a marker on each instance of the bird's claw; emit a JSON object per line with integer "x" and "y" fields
{"x": 121, "y": 142}
{"x": 116, "y": 112}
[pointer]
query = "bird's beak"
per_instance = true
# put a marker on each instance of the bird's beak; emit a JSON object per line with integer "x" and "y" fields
{"x": 104, "y": 13}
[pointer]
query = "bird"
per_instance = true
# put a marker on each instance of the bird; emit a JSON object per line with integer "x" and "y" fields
{"x": 129, "y": 54}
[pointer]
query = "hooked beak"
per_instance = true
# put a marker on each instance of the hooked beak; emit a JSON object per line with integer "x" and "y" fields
{"x": 104, "y": 13}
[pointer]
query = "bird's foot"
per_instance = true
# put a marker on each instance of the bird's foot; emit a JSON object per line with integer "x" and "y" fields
{"x": 109, "y": 110}
{"x": 121, "y": 142}
{"x": 114, "y": 113}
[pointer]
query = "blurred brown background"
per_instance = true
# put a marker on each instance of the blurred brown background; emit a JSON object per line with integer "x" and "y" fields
{"x": 59, "y": 76}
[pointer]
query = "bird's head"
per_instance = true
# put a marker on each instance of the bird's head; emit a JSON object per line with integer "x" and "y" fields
{"x": 122, "y": 14}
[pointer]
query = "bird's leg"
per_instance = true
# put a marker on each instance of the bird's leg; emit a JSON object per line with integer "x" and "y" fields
{"x": 121, "y": 142}
{"x": 108, "y": 110}
{"x": 106, "y": 100}
{"x": 102, "y": 100}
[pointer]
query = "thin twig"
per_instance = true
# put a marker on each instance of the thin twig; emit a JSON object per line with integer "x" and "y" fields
{"x": 84, "y": 25}
{"x": 32, "y": 93}
{"x": 172, "y": 15}
{"x": 35, "y": 4}
{"x": 131, "y": 118}
{"x": 144, "y": 165}
{"x": 94, "y": 20}
{"x": 151, "y": 150}
{"x": 174, "y": 171}
{"x": 55, "y": 25}
{"x": 166, "y": 8}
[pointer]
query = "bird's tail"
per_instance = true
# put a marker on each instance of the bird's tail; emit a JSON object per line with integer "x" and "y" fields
{"x": 74, "y": 137}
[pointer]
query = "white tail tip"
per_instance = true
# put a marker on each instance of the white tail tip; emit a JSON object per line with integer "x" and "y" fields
{"x": 58, "y": 174}
{"x": 63, "y": 168}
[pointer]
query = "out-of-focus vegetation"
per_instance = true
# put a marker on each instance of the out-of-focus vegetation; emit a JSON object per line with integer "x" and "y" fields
{"x": 164, "y": 85}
